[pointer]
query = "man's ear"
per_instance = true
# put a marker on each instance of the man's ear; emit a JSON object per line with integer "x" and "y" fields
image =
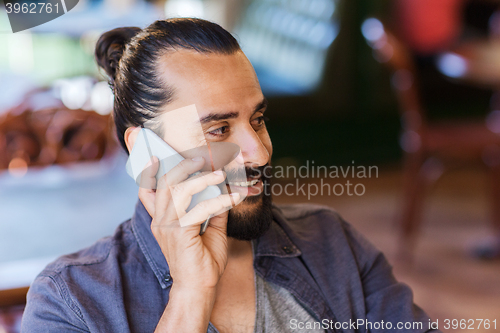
{"x": 130, "y": 136}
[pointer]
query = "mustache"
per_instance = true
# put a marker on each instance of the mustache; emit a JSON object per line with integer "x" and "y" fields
{"x": 242, "y": 174}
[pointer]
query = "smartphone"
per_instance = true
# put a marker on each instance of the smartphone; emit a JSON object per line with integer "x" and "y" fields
{"x": 147, "y": 145}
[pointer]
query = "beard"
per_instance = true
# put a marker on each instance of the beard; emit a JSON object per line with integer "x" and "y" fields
{"x": 248, "y": 223}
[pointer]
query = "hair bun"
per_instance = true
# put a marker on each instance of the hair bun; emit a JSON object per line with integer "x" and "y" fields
{"x": 110, "y": 46}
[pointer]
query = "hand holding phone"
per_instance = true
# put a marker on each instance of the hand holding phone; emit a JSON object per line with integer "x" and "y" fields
{"x": 195, "y": 262}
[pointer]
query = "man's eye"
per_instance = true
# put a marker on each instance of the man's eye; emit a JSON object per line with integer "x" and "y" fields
{"x": 220, "y": 131}
{"x": 260, "y": 121}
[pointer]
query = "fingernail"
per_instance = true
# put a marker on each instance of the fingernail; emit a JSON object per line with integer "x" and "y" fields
{"x": 198, "y": 158}
{"x": 235, "y": 194}
{"x": 219, "y": 173}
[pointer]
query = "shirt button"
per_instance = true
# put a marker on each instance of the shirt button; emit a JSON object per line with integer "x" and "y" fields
{"x": 167, "y": 278}
{"x": 287, "y": 249}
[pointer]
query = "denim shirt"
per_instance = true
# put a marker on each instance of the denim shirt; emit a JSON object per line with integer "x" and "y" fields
{"x": 122, "y": 283}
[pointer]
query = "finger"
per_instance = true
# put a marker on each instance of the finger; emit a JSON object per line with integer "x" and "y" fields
{"x": 183, "y": 170}
{"x": 148, "y": 198}
{"x": 147, "y": 184}
{"x": 182, "y": 193}
{"x": 204, "y": 209}
{"x": 148, "y": 174}
{"x": 177, "y": 174}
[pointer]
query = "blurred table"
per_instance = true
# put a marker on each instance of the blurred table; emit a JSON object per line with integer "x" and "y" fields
{"x": 57, "y": 210}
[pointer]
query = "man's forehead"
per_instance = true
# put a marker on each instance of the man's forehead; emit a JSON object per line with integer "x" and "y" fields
{"x": 185, "y": 118}
{"x": 189, "y": 72}
{"x": 215, "y": 83}
{"x": 190, "y": 65}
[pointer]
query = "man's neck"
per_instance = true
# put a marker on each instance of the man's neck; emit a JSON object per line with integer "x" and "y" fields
{"x": 237, "y": 248}
{"x": 234, "y": 307}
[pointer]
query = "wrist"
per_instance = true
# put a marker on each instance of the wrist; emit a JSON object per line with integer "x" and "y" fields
{"x": 188, "y": 310}
{"x": 191, "y": 294}
{"x": 195, "y": 304}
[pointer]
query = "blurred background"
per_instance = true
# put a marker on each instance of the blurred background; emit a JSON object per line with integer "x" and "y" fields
{"x": 410, "y": 87}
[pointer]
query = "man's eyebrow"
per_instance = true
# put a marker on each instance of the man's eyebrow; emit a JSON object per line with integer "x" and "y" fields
{"x": 230, "y": 115}
{"x": 218, "y": 116}
{"x": 262, "y": 105}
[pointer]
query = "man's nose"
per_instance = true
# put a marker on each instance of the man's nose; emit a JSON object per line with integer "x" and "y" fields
{"x": 252, "y": 148}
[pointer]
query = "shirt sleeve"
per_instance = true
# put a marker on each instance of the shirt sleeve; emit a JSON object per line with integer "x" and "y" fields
{"x": 385, "y": 298}
{"x": 50, "y": 309}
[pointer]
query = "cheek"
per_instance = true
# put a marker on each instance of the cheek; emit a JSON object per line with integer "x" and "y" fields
{"x": 184, "y": 142}
{"x": 266, "y": 141}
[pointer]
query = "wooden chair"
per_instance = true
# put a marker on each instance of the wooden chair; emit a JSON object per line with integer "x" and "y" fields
{"x": 428, "y": 147}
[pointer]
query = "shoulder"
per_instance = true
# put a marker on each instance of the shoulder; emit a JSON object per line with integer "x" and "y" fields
{"x": 308, "y": 218}
{"x": 302, "y": 210}
{"x": 321, "y": 228}
{"x": 56, "y": 296}
{"x": 103, "y": 251}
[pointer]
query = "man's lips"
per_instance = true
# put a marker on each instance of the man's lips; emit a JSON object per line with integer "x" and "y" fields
{"x": 250, "y": 187}
{"x": 248, "y": 183}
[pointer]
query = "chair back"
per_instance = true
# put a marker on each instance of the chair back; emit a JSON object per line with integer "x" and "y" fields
{"x": 392, "y": 52}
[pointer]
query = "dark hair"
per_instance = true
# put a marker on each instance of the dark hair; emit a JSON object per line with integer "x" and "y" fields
{"x": 129, "y": 57}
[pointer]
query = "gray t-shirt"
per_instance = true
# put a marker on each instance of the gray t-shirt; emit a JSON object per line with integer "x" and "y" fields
{"x": 278, "y": 311}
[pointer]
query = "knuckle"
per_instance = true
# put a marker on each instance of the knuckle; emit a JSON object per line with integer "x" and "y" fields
{"x": 221, "y": 201}
{"x": 184, "y": 164}
{"x": 162, "y": 182}
{"x": 204, "y": 205}
{"x": 178, "y": 189}
{"x": 143, "y": 193}
{"x": 195, "y": 185}
{"x": 207, "y": 180}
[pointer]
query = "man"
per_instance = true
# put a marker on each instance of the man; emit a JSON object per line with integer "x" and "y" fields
{"x": 257, "y": 268}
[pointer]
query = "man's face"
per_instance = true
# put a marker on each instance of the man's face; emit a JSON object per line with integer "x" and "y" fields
{"x": 231, "y": 106}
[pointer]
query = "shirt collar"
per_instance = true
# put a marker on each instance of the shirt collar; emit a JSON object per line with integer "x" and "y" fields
{"x": 274, "y": 243}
